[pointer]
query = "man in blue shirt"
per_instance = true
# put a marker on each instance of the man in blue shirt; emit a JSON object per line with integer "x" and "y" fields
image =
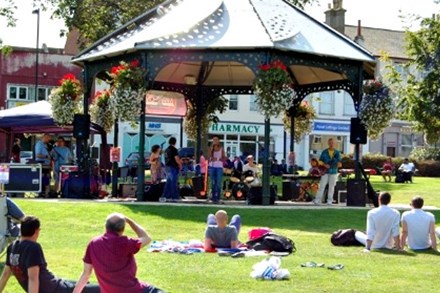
{"x": 42, "y": 156}
{"x": 330, "y": 159}
{"x": 61, "y": 156}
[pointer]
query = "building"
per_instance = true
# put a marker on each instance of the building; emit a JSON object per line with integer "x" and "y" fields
{"x": 19, "y": 84}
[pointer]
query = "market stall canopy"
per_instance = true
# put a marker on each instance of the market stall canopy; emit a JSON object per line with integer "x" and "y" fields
{"x": 231, "y": 25}
{"x": 35, "y": 118}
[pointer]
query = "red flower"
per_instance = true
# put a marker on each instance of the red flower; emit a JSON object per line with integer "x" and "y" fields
{"x": 135, "y": 63}
{"x": 68, "y": 77}
{"x": 264, "y": 67}
{"x": 115, "y": 69}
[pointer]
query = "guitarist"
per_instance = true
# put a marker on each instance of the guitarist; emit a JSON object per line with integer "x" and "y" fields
{"x": 330, "y": 159}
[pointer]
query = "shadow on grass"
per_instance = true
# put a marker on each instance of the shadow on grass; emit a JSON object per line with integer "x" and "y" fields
{"x": 313, "y": 220}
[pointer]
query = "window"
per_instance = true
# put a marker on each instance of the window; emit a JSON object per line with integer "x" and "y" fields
{"x": 326, "y": 105}
{"x": 233, "y": 102}
{"x": 406, "y": 144}
{"x": 27, "y": 92}
{"x": 252, "y": 104}
{"x": 349, "y": 109}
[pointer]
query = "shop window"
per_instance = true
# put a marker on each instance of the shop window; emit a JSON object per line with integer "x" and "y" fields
{"x": 327, "y": 103}
{"x": 349, "y": 109}
{"x": 233, "y": 102}
{"x": 317, "y": 139}
{"x": 253, "y": 107}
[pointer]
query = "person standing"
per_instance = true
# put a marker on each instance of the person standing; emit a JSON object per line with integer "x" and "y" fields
{"x": 418, "y": 227}
{"x": 111, "y": 256}
{"x": 173, "y": 165}
{"x": 25, "y": 260}
{"x": 383, "y": 225}
{"x": 217, "y": 156}
{"x": 42, "y": 156}
{"x": 330, "y": 159}
{"x": 61, "y": 155}
{"x": 15, "y": 152}
{"x": 156, "y": 164}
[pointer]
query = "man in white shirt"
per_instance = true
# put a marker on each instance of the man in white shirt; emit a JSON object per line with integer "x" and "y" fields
{"x": 408, "y": 169}
{"x": 382, "y": 226}
{"x": 418, "y": 227}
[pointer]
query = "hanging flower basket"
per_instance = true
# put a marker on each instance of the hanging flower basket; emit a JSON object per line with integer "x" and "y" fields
{"x": 127, "y": 91}
{"x": 273, "y": 90}
{"x": 65, "y": 100}
{"x": 377, "y": 108}
{"x": 304, "y": 115}
{"x": 100, "y": 110}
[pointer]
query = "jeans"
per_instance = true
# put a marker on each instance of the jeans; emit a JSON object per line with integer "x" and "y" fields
{"x": 235, "y": 221}
{"x": 331, "y": 180}
{"x": 67, "y": 286}
{"x": 170, "y": 190}
{"x": 216, "y": 175}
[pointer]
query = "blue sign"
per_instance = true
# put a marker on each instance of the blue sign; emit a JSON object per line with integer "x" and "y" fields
{"x": 331, "y": 127}
{"x": 154, "y": 125}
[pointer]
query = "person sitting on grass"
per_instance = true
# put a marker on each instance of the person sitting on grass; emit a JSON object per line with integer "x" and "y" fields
{"x": 111, "y": 255}
{"x": 25, "y": 260}
{"x": 387, "y": 169}
{"x": 418, "y": 227}
{"x": 219, "y": 234}
{"x": 383, "y": 226}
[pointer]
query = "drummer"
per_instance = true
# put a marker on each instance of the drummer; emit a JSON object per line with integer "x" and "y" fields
{"x": 253, "y": 168}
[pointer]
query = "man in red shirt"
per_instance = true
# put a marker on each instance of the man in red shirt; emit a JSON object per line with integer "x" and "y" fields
{"x": 111, "y": 255}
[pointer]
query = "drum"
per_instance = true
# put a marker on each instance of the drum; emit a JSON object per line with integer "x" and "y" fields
{"x": 235, "y": 176}
{"x": 240, "y": 191}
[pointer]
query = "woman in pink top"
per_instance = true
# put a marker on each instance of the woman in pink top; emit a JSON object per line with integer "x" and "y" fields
{"x": 217, "y": 156}
{"x": 387, "y": 169}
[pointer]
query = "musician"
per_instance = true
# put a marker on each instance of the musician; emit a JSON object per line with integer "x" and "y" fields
{"x": 238, "y": 164}
{"x": 217, "y": 156}
{"x": 61, "y": 155}
{"x": 42, "y": 156}
{"x": 330, "y": 159}
{"x": 253, "y": 168}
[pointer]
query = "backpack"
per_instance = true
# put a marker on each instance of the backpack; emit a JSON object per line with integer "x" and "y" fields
{"x": 344, "y": 237}
{"x": 272, "y": 242}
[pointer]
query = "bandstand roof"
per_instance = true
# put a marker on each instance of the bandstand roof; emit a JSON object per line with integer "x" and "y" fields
{"x": 227, "y": 26}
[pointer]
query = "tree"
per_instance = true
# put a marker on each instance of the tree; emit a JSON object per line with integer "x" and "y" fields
{"x": 7, "y": 11}
{"x": 94, "y": 19}
{"x": 418, "y": 88}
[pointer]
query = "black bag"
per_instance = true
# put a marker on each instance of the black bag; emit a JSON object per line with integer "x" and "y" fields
{"x": 344, "y": 237}
{"x": 272, "y": 242}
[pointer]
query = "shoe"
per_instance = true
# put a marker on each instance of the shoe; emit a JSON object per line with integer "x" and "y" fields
{"x": 329, "y": 203}
{"x": 336, "y": 267}
{"x": 316, "y": 203}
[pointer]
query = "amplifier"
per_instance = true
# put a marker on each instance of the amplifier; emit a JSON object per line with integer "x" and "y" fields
{"x": 127, "y": 190}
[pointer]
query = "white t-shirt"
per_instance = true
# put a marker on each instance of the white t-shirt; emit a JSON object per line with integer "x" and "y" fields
{"x": 418, "y": 223}
{"x": 382, "y": 225}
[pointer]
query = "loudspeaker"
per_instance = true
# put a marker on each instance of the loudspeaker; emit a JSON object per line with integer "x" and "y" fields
{"x": 198, "y": 184}
{"x": 290, "y": 190}
{"x": 152, "y": 192}
{"x": 256, "y": 195}
{"x": 356, "y": 193}
{"x": 81, "y": 126}
{"x": 358, "y": 132}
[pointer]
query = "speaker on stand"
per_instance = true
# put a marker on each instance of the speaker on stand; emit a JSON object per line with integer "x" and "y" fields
{"x": 358, "y": 132}
{"x": 81, "y": 126}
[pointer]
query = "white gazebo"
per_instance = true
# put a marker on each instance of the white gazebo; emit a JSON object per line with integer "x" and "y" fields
{"x": 206, "y": 48}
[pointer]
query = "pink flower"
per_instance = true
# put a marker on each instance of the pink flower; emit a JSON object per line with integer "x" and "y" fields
{"x": 134, "y": 63}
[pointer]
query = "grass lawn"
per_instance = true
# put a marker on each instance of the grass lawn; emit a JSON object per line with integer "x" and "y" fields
{"x": 68, "y": 226}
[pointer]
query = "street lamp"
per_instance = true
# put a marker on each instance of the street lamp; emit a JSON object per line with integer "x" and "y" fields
{"x": 37, "y": 12}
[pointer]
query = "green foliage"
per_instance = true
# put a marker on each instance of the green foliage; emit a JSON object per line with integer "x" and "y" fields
{"x": 426, "y": 153}
{"x": 190, "y": 124}
{"x": 419, "y": 90}
{"x": 7, "y": 10}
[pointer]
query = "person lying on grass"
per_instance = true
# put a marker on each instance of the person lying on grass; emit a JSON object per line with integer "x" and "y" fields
{"x": 219, "y": 234}
{"x": 25, "y": 260}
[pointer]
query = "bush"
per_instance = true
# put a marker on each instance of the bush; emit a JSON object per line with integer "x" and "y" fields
{"x": 425, "y": 153}
{"x": 428, "y": 168}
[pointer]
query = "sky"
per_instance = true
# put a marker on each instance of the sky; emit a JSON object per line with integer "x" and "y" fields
{"x": 372, "y": 13}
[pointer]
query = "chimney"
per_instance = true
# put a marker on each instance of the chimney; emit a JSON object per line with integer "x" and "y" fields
{"x": 335, "y": 16}
{"x": 359, "y": 39}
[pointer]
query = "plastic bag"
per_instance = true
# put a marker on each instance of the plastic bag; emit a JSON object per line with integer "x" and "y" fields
{"x": 269, "y": 269}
